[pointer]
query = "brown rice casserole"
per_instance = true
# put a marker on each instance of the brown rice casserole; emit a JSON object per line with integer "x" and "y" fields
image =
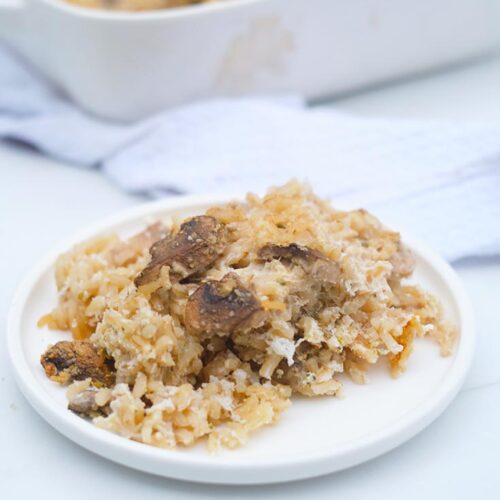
{"x": 136, "y": 5}
{"x": 206, "y": 327}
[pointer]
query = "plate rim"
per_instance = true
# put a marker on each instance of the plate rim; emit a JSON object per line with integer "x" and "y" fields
{"x": 221, "y": 470}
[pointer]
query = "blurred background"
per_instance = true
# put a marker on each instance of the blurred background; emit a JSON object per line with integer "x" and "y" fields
{"x": 393, "y": 106}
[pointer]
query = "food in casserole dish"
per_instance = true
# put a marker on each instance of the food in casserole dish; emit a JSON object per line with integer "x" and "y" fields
{"x": 205, "y": 328}
{"x": 136, "y": 5}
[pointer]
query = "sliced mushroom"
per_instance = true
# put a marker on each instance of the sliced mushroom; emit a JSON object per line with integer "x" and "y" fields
{"x": 198, "y": 243}
{"x": 221, "y": 307}
{"x": 84, "y": 404}
{"x": 68, "y": 361}
{"x": 313, "y": 261}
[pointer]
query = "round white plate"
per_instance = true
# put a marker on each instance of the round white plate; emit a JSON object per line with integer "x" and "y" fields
{"x": 314, "y": 437}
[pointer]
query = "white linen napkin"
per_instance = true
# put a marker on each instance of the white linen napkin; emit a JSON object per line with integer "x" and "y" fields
{"x": 441, "y": 181}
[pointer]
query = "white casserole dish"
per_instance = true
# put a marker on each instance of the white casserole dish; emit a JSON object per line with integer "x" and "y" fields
{"x": 126, "y": 66}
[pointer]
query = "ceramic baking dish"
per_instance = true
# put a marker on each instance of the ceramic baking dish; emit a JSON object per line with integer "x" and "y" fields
{"x": 126, "y": 66}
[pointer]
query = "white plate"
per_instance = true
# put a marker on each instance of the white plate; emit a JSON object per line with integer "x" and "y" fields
{"x": 314, "y": 437}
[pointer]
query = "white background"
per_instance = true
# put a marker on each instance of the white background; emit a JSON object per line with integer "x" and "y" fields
{"x": 457, "y": 457}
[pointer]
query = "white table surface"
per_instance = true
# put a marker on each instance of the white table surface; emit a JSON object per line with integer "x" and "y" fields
{"x": 458, "y": 456}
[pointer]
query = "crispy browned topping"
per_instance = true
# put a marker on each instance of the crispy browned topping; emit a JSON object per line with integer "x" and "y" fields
{"x": 313, "y": 261}
{"x": 220, "y": 307}
{"x": 127, "y": 251}
{"x": 198, "y": 243}
{"x": 68, "y": 361}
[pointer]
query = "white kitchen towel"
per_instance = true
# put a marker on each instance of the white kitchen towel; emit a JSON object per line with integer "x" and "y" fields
{"x": 441, "y": 181}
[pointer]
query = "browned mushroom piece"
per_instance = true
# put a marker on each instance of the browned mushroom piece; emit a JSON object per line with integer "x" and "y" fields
{"x": 313, "y": 261}
{"x": 403, "y": 262}
{"x": 67, "y": 361}
{"x": 84, "y": 404}
{"x": 221, "y": 307}
{"x": 198, "y": 243}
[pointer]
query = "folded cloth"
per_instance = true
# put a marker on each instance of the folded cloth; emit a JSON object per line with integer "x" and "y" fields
{"x": 439, "y": 180}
